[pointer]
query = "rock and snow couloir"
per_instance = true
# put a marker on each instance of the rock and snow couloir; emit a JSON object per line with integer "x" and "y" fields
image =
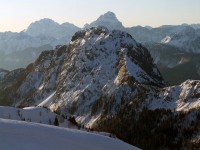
{"x": 102, "y": 77}
{"x": 96, "y": 66}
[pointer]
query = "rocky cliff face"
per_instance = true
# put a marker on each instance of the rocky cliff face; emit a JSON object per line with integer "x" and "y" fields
{"x": 97, "y": 63}
{"x": 109, "y": 83}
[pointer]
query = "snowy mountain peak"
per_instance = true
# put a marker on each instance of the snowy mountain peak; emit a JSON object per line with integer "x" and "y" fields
{"x": 108, "y": 20}
{"x": 97, "y": 62}
{"x": 49, "y": 28}
{"x": 44, "y": 21}
{"x": 108, "y": 15}
{"x": 107, "y": 81}
{"x": 98, "y": 43}
{"x": 186, "y": 40}
{"x": 35, "y": 28}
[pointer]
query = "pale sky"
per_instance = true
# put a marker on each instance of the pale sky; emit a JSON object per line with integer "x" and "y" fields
{"x": 16, "y": 15}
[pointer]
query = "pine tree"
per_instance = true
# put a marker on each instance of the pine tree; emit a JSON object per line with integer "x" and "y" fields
{"x": 56, "y": 123}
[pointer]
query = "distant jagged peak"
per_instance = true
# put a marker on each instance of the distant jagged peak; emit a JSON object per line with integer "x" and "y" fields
{"x": 109, "y": 15}
{"x": 49, "y": 28}
{"x": 187, "y": 40}
{"x": 108, "y": 20}
{"x": 45, "y": 21}
{"x": 96, "y": 34}
{"x": 186, "y": 32}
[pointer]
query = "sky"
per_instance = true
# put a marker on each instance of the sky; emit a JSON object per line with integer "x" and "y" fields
{"x": 16, "y": 15}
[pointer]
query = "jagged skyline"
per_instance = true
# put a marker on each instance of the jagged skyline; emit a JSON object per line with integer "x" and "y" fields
{"x": 16, "y": 15}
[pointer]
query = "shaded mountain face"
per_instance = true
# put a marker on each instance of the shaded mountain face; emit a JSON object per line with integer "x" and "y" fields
{"x": 96, "y": 63}
{"x": 50, "y": 28}
{"x": 109, "y": 83}
{"x": 8, "y": 79}
{"x": 143, "y": 34}
{"x": 48, "y": 32}
{"x": 108, "y": 20}
{"x": 175, "y": 65}
{"x": 3, "y": 73}
{"x": 187, "y": 40}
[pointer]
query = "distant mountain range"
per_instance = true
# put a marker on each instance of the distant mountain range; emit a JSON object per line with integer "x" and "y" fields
{"x": 110, "y": 83}
{"x": 17, "y": 50}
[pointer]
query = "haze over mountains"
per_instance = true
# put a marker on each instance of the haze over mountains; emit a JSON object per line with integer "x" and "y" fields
{"x": 19, "y": 49}
{"x": 109, "y": 82}
{"x": 102, "y": 79}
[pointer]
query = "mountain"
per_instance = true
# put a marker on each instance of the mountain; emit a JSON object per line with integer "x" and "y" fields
{"x": 109, "y": 83}
{"x": 50, "y": 28}
{"x": 177, "y": 55}
{"x": 39, "y": 33}
{"x": 143, "y": 34}
{"x": 92, "y": 52}
{"x": 195, "y": 26}
{"x": 13, "y": 42}
{"x": 45, "y": 32}
{"x": 17, "y": 50}
{"x": 186, "y": 40}
{"x": 36, "y": 115}
{"x": 33, "y": 136}
{"x": 108, "y": 20}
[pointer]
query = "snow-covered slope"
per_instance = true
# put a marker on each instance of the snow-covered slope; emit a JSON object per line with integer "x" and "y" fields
{"x": 82, "y": 77}
{"x": 48, "y": 32}
{"x": 109, "y": 83}
{"x": 143, "y": 34}
{"x": 182, "y": 97}
{"x": 108, "y": 20}
{"x": 195, "y": 26}
{"x": 34, "y": 114}
{"x": 97, "y": 62}
{"x": 187, "y": 40}
{"x": 31, "y": 136}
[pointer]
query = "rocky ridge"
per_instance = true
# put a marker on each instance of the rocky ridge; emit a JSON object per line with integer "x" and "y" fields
{"x": 108, "y": 81}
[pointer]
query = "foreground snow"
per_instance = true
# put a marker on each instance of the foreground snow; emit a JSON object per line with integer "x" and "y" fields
{"x": 31, "y": 136}
{"x": 34, "y": 114}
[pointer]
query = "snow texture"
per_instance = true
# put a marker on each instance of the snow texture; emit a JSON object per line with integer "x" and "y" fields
{"x": 31, "y": 136}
